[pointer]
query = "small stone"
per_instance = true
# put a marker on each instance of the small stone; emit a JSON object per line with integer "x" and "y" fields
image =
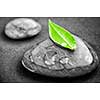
{"x": 22, "y": 28}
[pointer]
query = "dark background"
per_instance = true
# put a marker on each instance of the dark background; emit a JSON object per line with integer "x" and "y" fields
{"x": 11, "y": 51}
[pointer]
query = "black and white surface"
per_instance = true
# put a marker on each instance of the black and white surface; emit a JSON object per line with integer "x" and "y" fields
{"x": 11, "y": 51}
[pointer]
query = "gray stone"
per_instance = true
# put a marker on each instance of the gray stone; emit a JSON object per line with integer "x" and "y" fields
{"x": 52, "y": 60}
{"x": 22, "y": 28}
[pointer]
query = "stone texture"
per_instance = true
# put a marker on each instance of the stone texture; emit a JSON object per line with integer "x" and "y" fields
{"x": 52, "y": 60}
{"x": 22, "y": 28}
{"x": 11, "y": 51}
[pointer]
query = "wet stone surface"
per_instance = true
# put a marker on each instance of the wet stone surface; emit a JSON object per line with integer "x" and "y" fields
{"x": 49, "y": 56}
{"x": 11, "y": 51}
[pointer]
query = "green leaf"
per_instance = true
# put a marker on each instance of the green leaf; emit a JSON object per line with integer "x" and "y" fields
{"x": 61, "y": 36}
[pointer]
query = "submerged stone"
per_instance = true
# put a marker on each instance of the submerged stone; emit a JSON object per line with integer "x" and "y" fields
{"x": 22, "y": 28}
{"x": 49, "y": 59}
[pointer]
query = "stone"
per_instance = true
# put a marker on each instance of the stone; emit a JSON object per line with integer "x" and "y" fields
{"x": 22, "y": 28}
{"x": 51, "y": 60}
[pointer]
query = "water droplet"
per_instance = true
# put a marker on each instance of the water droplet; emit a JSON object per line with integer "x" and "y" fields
{"x": 70, "y": 63}
{"x": 47, "y": 62}
{"x": 88, "y": 59}
{"x": 63, "y": 44}
{"x": 31, "y": 58}
{"x": 53, "y": 58}
{"x": 64, "y": 60}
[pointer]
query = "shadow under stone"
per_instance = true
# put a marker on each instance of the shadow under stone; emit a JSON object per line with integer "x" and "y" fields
{"x": 37, "y": 78}
{"x": 8, "y": 39}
